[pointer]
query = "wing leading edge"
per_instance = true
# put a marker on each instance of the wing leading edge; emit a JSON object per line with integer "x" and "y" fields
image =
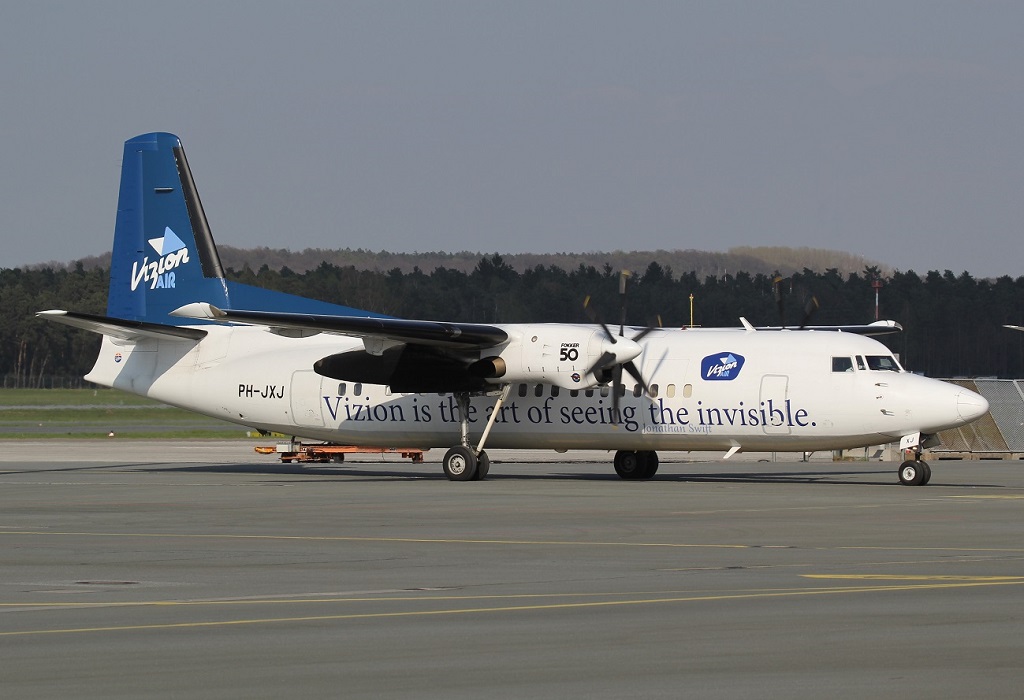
{"x": 460, "y": 336}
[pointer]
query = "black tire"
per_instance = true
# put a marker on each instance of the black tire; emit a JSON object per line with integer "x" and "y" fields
{"x": 459, "y": 464}
{"x": 483, "y": 465}
{"x": 649, "y": 463}
{"x": 628, "y": 464}
{"x": 927, "y": 472}
{"x": 911, "y": 473}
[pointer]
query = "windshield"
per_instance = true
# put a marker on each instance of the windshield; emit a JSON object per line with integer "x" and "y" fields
{"x": 885, "y": 363}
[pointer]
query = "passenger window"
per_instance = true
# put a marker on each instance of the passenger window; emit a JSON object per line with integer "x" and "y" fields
{"x": 842, "y": 364}
{"x": 687, "y": 391}
{"x": 604, "y": 391}
{"x": 538, "y": 390}
{"x": 522, "y": 390}
{"x": 589, "y": 393}
{"x": 554, "y": 391}
{"x": 357, "y": 389}
{"x": 574, "y": 393}
{"x": 341, "y": 389}
{"x": 654, "y": 391}
{"x": 670, "y": 391}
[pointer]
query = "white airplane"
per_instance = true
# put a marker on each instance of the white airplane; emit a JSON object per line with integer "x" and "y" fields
{"x": 177, "y": 331}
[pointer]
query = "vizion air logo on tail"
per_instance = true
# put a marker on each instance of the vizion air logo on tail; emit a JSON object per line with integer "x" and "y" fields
{"x": 721, "y": 367}
{"x": 160, "y": 273}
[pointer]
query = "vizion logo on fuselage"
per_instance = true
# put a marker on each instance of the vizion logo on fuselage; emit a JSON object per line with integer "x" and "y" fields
{"x": 160, "y": 272}
{"x": 721, "y": 367}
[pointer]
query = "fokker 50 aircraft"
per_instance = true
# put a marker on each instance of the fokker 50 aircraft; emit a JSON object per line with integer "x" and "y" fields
{"x": 177, "y": 331}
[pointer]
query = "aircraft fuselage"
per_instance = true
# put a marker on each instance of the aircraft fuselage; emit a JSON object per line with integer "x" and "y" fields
{"x": 709, "y": 390}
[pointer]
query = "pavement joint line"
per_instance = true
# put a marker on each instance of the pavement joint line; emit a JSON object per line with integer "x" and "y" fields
{"x": 305, "y": 598}
{"x": 785, "y": 593}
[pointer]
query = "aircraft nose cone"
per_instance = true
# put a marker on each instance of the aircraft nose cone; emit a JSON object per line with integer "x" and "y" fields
{"x": 970, "y": 405}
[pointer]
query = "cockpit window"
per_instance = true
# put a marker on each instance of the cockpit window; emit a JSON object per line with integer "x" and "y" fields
{"x": 842, "y": 364}
{"x": 885, "y": 363}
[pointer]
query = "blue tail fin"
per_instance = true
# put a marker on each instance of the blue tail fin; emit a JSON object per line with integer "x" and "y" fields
{"x": 164, "y": 256}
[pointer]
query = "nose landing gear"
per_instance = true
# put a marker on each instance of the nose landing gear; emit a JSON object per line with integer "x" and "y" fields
{"x": 914, "y": 472}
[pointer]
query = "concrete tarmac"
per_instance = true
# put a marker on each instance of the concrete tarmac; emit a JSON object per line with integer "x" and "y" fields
{"x": 169, "y": 570}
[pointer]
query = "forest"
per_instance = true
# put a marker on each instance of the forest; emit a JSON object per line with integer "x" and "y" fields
{"x": 953, "y": 324}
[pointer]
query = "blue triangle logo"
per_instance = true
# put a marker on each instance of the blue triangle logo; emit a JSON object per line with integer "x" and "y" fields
{"x": 171, "y": 241}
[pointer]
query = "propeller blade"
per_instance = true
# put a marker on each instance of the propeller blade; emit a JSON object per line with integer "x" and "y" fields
{"x": 809, "y": 308}
{"x": 606, "y": 360}
{"x": 777, "y": 284}
{"x": 616, "y": 383}
{"x": 623, "y": 276}
{"x": 594, "y": 318}
{"x": 635, "y": 373}
{"x": 643, "y": 334}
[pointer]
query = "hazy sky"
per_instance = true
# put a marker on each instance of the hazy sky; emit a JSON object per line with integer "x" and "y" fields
{"x": 887, "y": 129}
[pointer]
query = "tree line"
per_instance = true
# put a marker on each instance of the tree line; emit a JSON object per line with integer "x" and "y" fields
{"x": 953, "y": 324}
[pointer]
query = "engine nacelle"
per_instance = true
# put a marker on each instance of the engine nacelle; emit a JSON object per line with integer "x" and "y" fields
{"x": 556, "y": 353}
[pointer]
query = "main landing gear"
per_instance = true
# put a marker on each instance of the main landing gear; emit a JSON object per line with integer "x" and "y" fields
{"x": 464, "y": 462}
{"x": 639, "y": 464}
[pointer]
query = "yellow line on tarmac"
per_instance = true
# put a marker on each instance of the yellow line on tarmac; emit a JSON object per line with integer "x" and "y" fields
{"x": 513, "y": 608}
{"x": 910, "y": 577}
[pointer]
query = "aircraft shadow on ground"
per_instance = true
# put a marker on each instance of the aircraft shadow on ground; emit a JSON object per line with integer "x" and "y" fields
{"x": 369, "y": 471}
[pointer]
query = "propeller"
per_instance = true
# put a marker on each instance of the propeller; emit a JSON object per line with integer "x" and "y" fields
{"x": 810, "y": 307}
{"x": 619, "y": 351}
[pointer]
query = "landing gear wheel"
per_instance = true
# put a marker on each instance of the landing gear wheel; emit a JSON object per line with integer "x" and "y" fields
{"x": 628, "y": 464}
{"x": 912, "y": 472}
{"x": 648, "y": 463}
{"x": 483, "y": 465}
{"x": 927, "y": 472}
{"x": 460, "y": 464}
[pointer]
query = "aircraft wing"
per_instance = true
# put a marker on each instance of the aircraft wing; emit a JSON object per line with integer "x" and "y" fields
{"x": 462, "y": 336}
{"x": 874, "y": 328}
{"x": 120, "y": 328}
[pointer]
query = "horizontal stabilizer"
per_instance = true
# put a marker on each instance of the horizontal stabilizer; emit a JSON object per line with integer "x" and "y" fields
{"x": 435, "y": 333}
{"x": 120, "y": 328}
